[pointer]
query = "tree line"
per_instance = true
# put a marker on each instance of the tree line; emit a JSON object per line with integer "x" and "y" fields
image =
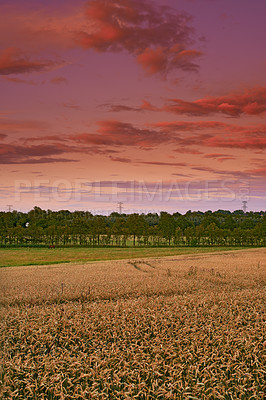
{"x": 40, "y": 227}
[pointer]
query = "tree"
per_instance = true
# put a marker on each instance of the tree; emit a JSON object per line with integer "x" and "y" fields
{"x": 137, "y": 225}
{"x": 167, "y": 226}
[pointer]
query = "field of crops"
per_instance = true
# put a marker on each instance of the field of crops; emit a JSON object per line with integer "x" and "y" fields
{"x": 37, "y": 255}
{"x": 179, "y": 327}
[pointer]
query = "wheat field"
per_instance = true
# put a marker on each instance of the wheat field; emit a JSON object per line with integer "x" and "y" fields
{"x": 178, "y": 327}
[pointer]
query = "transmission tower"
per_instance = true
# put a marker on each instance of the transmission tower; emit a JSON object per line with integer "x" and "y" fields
{"x": 244, "y": 206}
{"x": 120, "y": 207}
{"x": 9, "y": 207}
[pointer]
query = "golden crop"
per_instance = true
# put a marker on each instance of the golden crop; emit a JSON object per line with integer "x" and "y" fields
{"x": 183, "y": 327}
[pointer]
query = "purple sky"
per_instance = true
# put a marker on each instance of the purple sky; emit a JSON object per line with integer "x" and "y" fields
{"x": 160, "y": 105}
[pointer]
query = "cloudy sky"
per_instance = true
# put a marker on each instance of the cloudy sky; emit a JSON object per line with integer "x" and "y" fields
{"x": 157, "y": 104}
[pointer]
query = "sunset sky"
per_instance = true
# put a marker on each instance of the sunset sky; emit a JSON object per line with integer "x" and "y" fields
{"x": 157, "y": 104}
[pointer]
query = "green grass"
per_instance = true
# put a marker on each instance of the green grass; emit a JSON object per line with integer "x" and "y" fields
{"x": 42, "y": 256}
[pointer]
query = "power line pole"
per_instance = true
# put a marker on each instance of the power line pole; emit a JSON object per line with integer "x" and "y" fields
{"x": 244, "y": 206}
{"x": 120, "y": 207}
{"x": 9, "y": 207}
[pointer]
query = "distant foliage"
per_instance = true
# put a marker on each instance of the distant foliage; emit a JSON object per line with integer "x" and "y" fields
{"x": 81, "y": 228}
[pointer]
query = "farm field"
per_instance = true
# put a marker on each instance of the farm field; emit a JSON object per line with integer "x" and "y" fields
{"x": 186, "y": 326}
{"x": 36, "y": 256}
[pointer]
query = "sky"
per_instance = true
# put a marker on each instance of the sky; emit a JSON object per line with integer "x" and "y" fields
{"x": 156, "y": 105}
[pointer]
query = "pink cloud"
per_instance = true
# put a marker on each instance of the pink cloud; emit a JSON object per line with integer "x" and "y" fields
{"x": 121, "y": 159}
{"x": 116, "y": 133}
{"x": 257, "y": 130}
{"x": 258, "y": 171}
{"x": 237, "y": 142}
{"x": 184, "y": 126}
{"x": 162, "y": 59}
{"x": 251, "y": 102}
{"x": 225, "y": 173}
{"x": 48, "y": 152}
{"x": 222, "y": 159}
{"x": 43, "y": 138}
{"x": 162, "y": 163}
{"x": 215, "y": 155}
{"x": 243, "y": 174}
{"x": 113, "y": 133}
{"x": 18, "y": 80}
{"x": 44, "y": 153}
{"x": 157, "y": 36}
{"x": 145, "y": 106}
{"x": 72, "y": 105}
{"x": 113, "y": 136}
{"x": 58, "y": 80}
{"x": 9, "y": 125}
{"x": 153, "y": 60}
{"x": 120, "y": 107}
{"x": 13, "y": 61}
{"x": 184, "y": 150}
